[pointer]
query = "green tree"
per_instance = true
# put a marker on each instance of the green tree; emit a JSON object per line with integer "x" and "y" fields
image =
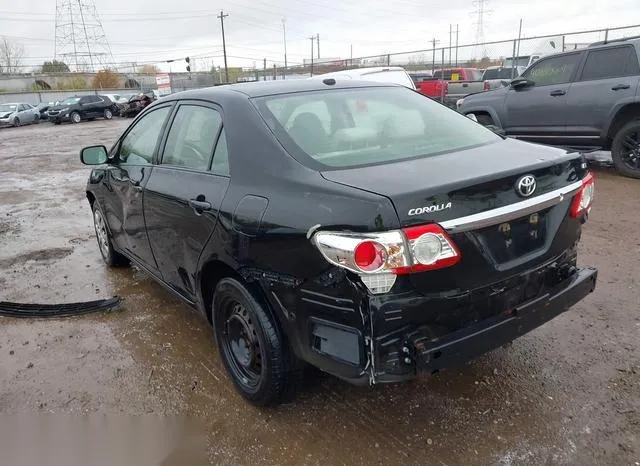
{"x": 55, "y": 66}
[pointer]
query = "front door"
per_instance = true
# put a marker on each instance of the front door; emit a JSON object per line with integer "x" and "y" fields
{"x": 185, "y": 191}
{"x": 127, "y": 176}
{"x": 537, "y": 112}
{"x": 609, "y": 76}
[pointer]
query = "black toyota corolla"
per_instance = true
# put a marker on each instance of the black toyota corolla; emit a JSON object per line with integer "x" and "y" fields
{"x": 357, "y": 227}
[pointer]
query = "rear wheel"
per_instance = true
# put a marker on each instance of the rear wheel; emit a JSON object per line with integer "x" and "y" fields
{"x": 110, "y": 256}
{"x": 75, "y": 117}
{"x": 484, "y": 119}
{"x": 16, "y": 122}
{"x": 252, "y": 347}
{"x": 625, "y": 150}
{"x": 108, "y": 114}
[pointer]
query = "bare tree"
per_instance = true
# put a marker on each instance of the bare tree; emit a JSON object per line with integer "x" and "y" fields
{"x": 10, "y": 56}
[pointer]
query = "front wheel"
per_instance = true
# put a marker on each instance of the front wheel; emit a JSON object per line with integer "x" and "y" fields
{"x": 253, "y": 349}
{"x": 110, "y": 256}
{"x": 16, "y": 122}
{"x": 75, "y": 117}
{"x": 108, "y": 114}
{"x": 625, "y": 150}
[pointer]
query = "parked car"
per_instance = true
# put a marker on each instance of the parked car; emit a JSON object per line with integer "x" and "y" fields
{"x": 43, "y": 109}
{"x": 383, "y": 74}
{"x": 585, "y": 99}
{"x": 354, "y": 226}
{"x": 450, "y": 84}
{"x": 19, "y": 113}
{"x": 495, "y": 77}
{"x": 135, "y": 105}
{"x": 75, "y": 109}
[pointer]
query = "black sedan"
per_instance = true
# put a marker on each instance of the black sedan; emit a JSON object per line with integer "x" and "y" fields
{"x": 358, "y": 227}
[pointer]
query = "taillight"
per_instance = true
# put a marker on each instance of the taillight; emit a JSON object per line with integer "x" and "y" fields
{"x": 582, "y": 201}
{"x": 486, "y": 85}
{"x": 379, "y": 257}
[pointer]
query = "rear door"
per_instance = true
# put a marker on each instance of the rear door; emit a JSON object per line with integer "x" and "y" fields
{"x": 185, "y": 191}
{"x": 538, "y": 112}
{"x": 609, "y": 76}
{"x": 127, "y": 176}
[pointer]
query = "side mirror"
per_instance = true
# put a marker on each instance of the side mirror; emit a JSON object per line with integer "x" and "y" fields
{"x": 94, "y": 155}
{"x": 521, "y": 83}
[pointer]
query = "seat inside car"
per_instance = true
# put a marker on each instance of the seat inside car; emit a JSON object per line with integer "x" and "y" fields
{"x": 308, "y": 132}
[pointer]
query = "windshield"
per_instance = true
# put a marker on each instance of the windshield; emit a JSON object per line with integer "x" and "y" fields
{"x": 8, "y": 108}
{"x": 519, "y": 61}
{"x": 70, "y": 101}
{"x": 500, "y": 73}
{"x": 365, "y": 126}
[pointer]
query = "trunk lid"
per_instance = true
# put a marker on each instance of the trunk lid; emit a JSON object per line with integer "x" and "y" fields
{"x": 444, "y": 188}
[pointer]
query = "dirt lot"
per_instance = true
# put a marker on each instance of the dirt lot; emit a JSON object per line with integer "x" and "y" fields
{"x": 567, "y": 393}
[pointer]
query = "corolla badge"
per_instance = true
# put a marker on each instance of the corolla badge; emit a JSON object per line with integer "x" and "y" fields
{"x": 429, "y": 209}
{"x": 526, "y": 185}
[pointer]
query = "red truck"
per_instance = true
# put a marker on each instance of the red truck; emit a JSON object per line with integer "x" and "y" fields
{"x": 450, "y": 84}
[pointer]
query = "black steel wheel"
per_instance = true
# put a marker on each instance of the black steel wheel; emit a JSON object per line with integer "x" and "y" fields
{"x": 625, "y": 150}
{"x": 253, "y": 349}
{"x": 110, "y": 256}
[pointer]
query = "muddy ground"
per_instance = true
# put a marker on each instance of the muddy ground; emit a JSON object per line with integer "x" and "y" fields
{"x": 567, "y": 393}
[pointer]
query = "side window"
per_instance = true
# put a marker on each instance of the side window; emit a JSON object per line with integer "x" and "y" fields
{"x": 632, "y": 68}
{"x": 606, "y": 63}
{"x": 192, "y": 137}
{"x": 84, "y": 100}
{"x": 138, "y": 145}
{"x": 21, "y": 108}
{"x": 220, "y": 165}
{"x": 555, "y": 70}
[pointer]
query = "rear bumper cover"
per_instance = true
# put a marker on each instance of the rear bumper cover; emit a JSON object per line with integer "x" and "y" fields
{"x": 386, "y": 354}
{"x": 463, "y": 345}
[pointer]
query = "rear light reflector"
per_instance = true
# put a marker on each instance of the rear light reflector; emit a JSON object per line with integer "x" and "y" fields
{"x": 379, "y": 257}
{"x": 582, "y": 201}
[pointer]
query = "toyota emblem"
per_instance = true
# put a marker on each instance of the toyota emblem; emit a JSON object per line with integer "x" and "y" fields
{"x": 526, "y": 185}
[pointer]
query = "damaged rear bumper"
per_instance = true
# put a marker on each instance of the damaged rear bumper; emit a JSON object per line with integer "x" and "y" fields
{"x": 422, "y": 339}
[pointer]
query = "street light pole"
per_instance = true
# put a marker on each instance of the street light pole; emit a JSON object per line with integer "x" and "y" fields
{"x": 284, "y": 35}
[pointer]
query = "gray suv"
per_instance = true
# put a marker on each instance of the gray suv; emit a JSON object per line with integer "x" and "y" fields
{"x": 582, "y": 99}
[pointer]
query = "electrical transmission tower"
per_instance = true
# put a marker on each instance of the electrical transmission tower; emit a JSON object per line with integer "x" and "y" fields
{"x": 80, "y": 39}
{"x": 480, "y": 13}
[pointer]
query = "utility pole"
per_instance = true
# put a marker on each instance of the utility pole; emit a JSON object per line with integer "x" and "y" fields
{"x": 318, "y": 40}
{"x": 450, "y": 34}
{"x": 284, "y": 34}
{"x": 457, "y": 32}
{"x": 264, "y": 67}
{"x": 312, "y": 39}
{"x": 224, "y": 46}
{"x": 351, "y": 56}
{"x": 434, "y": 41}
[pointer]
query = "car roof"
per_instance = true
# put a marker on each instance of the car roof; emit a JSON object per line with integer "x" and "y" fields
{"x": 264, "y": 88}
{"x": 13, "y": 103}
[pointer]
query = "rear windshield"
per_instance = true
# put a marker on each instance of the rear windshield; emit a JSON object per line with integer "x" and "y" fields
{"x": 500, "y": 73}
{"x": 367, "y": 126}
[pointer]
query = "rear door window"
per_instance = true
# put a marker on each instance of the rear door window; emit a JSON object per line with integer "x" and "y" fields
{"x": 192, "y": 137}
{"x": 609, "y": 63}
{"x": 365, "y": 126}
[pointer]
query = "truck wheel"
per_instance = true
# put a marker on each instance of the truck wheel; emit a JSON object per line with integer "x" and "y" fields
{"x": 253, "y": 349}
{"x": 75, "y": 117}
{"x": 110, "y": 256}
{"x": 625, "y": 150}
{"x": 485, "y": 120}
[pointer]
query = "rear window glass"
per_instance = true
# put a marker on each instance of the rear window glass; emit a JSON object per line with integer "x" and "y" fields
{"x": 366, "y": 126}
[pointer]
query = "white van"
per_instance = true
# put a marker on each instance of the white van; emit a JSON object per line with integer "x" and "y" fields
{"x": 384, "y": 74}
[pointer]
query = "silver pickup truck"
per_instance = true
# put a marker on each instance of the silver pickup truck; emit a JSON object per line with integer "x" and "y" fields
{"x": 460, "y": 83}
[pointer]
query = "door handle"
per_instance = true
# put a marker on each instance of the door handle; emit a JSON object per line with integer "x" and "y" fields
{"x": 198, "y": 205}
{"x": 618, "y": 87}
{"x": 557, "y": 93}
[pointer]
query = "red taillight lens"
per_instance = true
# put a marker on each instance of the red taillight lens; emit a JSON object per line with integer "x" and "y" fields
{"x": 430, "y": 248}
{"x": 582, "y": 201}
{"x": 486, "y": 85}
{"x": 370, "y": 256}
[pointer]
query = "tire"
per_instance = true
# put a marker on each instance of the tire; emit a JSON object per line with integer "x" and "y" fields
{"x": 108, "y": 114}
{"x": 75, "y": 117}
{"x": 36, "y": 120}
{"x": 16, "y": 122}
{"x": 56, "y": 122}
{"x": 485, "y": 120}
{"x": 625, "y": 150}
{"x": 110, "y": 256}
{"x": 252, "y": 347}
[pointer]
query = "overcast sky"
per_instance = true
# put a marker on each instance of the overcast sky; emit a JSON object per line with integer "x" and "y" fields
{"x": 146, "y": 31}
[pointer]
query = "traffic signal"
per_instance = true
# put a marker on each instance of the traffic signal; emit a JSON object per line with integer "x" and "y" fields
{"x": 188, "y": 60}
